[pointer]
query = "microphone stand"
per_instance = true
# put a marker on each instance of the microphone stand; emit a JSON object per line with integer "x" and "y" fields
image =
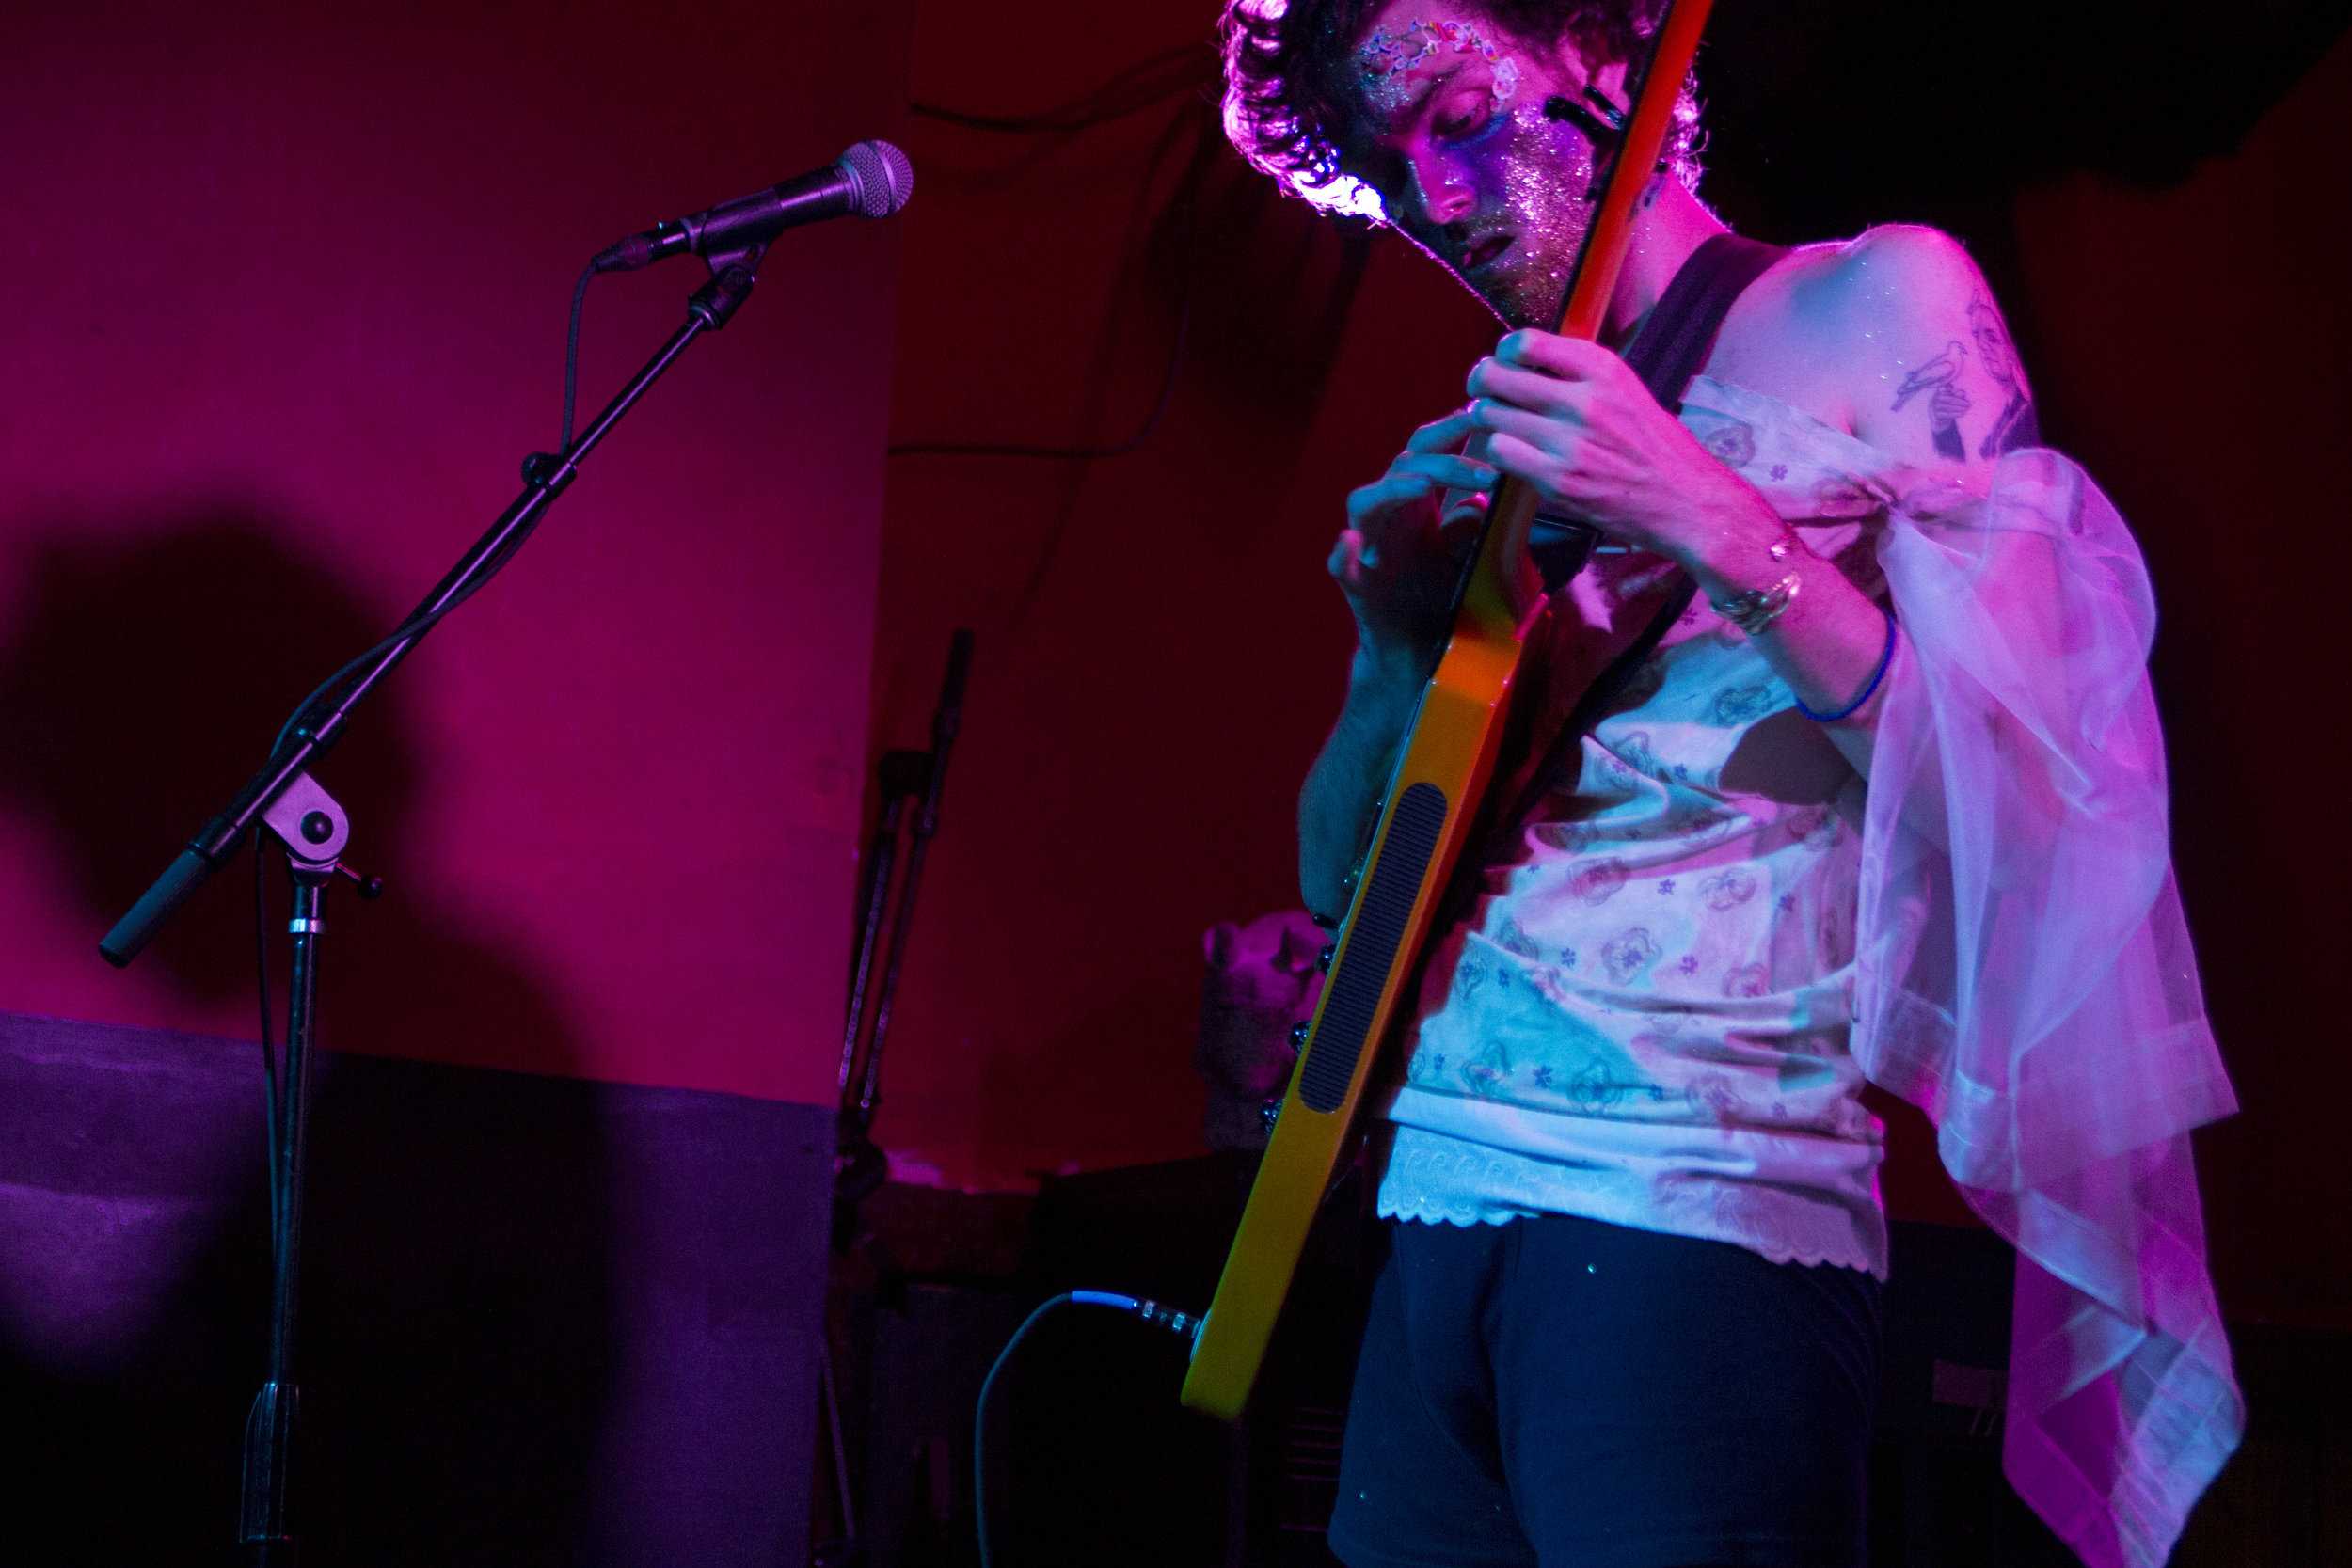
{"x": 313, "y": 829}
{"x": 859, "y": 1167}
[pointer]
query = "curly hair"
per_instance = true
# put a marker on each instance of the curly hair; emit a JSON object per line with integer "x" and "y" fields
{"x": 1290, "y": 93}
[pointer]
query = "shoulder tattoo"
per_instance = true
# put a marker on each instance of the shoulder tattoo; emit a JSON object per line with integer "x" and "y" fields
{"x": 2016, "y": 424}
{"x": 1946, "y": 400}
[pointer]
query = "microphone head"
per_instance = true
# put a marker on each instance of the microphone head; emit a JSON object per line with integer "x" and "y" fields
{"x": 883, "y": 176}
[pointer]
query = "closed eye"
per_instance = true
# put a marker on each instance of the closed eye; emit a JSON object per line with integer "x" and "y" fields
{"x": 1467, "y": 119}
{"x": 1467, "y": 111}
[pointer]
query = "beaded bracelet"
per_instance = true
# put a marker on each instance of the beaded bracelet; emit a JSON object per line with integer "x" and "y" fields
{"x": 1886, "y": 657}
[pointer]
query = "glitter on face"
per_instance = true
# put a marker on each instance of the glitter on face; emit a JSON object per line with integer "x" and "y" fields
{"x": 1533, "y": 179}
{"x": 1484, "y": 178}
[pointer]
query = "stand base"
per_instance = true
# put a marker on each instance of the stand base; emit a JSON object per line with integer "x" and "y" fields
{"x": 269, "y": 1428}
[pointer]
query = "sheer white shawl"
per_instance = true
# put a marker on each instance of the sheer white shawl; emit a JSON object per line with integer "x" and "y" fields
{"x": 2024, "y": 977}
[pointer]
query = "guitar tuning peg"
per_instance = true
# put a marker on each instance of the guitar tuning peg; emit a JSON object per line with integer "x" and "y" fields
{"x": 1298, "y": 1033}
{"x": 1323, "y": 959}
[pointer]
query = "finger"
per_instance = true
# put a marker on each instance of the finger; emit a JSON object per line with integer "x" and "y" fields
{"x": 1524, "y": 460}
{"x": 1492, "y": 378}
{"x": 1570, "y": 358}
{"x": 1383, "y": 505}
{"x": 1346, "y": 551}
{"x": 1377, "y": 506}
{"x": 1442, "y": 435}
{"x": 1537, "y": 430}
{"x": 1450, "y": 471}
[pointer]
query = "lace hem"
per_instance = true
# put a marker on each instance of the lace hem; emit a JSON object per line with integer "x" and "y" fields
{"x": 1432, "y": 1179}
{"x": 1432, "y": 1211}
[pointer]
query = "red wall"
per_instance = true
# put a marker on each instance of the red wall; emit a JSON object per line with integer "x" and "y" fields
{"x": 1158, "y": 650}
{"x": 284, "y": 294}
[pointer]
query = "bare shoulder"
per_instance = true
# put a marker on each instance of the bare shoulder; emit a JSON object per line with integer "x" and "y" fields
{"x": 1893, "y": 335}
{"x": 1782, "y": 336}
{"x": 1906, "y": 260}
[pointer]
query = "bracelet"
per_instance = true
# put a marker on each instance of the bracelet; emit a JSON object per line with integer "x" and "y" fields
{"x": 1758, "y": 608}
{"x": 1886, "y": 657}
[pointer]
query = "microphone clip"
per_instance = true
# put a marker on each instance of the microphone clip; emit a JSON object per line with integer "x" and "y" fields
{"x": 732, "y": 275}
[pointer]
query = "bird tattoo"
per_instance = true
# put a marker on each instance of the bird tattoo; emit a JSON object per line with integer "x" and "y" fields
{"x": 1947, "y": 403}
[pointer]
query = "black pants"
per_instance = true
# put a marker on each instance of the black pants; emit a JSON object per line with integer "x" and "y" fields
{"x": 1562, "y": 1393}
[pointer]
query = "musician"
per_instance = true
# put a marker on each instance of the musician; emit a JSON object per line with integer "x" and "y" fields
{"x": 1875, "y": 803}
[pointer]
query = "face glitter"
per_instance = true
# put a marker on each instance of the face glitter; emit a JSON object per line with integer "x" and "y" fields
{"x": 1495, "y": 188}
{"x": 1532, "y": 179}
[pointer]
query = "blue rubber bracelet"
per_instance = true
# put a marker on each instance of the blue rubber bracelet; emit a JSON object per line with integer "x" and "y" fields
{"x": 1886, "y": 657}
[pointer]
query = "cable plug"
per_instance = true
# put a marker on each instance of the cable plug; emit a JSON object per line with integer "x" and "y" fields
{"x": 1185, "y": 1326}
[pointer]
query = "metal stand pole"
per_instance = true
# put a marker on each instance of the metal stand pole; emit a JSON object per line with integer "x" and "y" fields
{"x": 859, "y": 1164}
{"x": 947, "y": 719}
{"x": 904, "y": 775}
{"x": 314, "y": 829}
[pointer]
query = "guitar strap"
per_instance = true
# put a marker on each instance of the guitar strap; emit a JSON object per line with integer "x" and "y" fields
{"x": 1673, "y": 346}
{"x": 1669, "y": 350}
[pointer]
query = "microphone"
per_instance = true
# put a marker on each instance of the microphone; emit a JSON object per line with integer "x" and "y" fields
{"x": 872, "y": 180}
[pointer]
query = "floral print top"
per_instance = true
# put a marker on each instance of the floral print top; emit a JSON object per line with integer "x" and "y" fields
{"x": 1643, "y": 1019}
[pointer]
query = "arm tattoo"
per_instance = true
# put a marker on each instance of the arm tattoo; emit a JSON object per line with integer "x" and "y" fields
{"x": 1940, "y": 378}
{"x": 2016, "y": 426}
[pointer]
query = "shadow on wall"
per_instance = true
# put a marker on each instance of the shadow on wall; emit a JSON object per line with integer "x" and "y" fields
{"x": 142, "y": 679}
{"x": 458, "y": 1347}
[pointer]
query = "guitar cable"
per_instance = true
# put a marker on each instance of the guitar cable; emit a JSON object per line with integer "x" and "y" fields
{"x": 1185, "y": 1326}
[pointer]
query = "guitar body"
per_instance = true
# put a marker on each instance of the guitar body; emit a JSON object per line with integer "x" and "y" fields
{"x": 1424, "y": 822}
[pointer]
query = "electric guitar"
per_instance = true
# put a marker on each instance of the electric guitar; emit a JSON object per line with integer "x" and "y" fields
{"x": 1424, "y": 821}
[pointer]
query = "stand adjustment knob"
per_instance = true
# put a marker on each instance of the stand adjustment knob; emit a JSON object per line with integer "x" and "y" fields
{"x": 370, "y": 887}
